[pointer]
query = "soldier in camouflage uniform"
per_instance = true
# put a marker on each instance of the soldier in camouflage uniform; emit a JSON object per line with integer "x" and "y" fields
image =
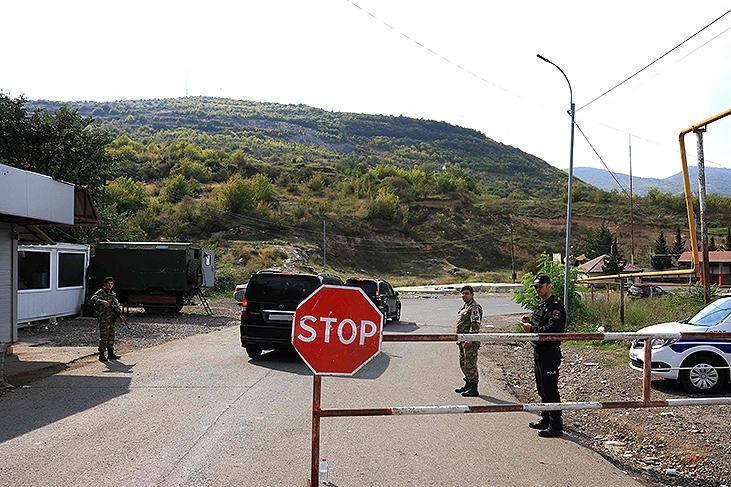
{"x": 548, "y": 317}
{"x": 469, "y": 319}
{"x": 106, "y": 308}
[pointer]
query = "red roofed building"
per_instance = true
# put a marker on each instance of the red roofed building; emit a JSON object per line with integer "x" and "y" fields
{"x": 595, "y": 267}
{"x": 719, "y": 262}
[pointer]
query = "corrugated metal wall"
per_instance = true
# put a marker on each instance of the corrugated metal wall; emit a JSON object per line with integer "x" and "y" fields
{"x": 7, "y": 289}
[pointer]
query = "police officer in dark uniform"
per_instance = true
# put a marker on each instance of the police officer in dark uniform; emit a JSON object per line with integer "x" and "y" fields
{"x": 548, "y": 317}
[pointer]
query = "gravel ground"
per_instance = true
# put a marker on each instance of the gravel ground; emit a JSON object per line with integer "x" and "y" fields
{"x": 145, "y": 330}
{"x": 670, "y": 446}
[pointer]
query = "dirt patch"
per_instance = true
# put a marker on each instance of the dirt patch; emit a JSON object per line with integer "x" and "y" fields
{"x": 669, "y": 446}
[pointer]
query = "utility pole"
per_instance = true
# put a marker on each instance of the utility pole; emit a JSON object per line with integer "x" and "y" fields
{"x": 324, "y": 245}
{"x": 631, "y": 209}
{"x": 512, "y": 248}
{"x": 706, "y": 273}
{"x": 567, "y": 255}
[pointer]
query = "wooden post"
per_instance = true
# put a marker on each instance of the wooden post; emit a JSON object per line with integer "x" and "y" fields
{"x": 315, "y": 466}
{"x": 621, "y": 302}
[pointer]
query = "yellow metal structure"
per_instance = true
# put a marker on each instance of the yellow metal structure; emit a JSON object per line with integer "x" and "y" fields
{"x": 688, "y": 208}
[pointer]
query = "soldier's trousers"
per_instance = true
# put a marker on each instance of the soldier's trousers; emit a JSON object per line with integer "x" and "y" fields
{"x": 468, "y": 360}
{"x": 106, "y": 333}
{"x": 546, "y": 365}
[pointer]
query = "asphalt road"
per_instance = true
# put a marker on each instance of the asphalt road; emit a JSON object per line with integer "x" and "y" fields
{"x": 197, "y": 411}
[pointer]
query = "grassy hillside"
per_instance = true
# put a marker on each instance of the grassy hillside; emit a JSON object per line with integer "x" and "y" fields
{"x": 413, "y": 199}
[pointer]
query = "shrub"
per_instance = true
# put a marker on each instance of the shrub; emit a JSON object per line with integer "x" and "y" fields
{"x": 128, "y": 195}
{"x": 529, "y": 300}
{"x": 238, "y": 194}
{"x": 175, "y": 188}
{"x": 190, "y": 169}
{"x": 385, "y": 205}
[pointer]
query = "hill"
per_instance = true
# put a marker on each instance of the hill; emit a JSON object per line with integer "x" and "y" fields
{"x": 319, "y": 139}
{"x": 413, "y": 200}
{"x": 718, "y": 181}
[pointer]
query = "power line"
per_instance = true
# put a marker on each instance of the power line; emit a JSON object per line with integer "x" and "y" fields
{"x": 654, "y": 61}
{"x": 444, "y": 58}
{"x": 601, "y": 159}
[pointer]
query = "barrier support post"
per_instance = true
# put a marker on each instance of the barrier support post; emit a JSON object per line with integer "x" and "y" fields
{"x": 646, "y": 372}
{"x": 316, "y": 410}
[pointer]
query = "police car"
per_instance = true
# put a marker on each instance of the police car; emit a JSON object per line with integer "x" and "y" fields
{"x": 701, "y": 365}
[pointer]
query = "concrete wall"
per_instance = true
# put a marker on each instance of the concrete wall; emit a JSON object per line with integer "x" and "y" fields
{"x": 8, "y": 285}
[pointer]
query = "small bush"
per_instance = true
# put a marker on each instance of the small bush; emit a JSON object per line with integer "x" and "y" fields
{"x": 238, "y": 194}
{"x": 175, "y": 188}
{"x": 128, "y": 195}
{"x": 385, "y": 205}
{"x": 193, "y": 170}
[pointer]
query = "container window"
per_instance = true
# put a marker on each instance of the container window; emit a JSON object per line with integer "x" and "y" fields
{"x": 34, "y": 270}
{"x": 70, "y": 270}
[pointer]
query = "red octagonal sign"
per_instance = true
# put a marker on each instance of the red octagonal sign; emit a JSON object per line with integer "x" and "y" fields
{"x": 337, "y": 330}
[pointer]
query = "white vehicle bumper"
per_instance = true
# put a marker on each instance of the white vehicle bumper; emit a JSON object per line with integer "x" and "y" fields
{"x": 662, "y": 358}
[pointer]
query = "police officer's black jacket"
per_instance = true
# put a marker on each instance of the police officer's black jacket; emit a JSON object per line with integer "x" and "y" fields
{"x": 548, "y": 317}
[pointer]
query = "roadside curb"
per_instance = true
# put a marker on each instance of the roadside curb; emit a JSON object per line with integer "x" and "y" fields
{"x": 483, "y": 287}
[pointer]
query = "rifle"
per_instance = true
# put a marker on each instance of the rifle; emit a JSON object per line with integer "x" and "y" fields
{"x": 118, "y": 315}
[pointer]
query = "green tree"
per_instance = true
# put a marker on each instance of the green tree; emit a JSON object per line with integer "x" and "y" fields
{"x": 384, "y": 206}
{"x": 599, "y": 242}
{"x": 661, "y": 258}
{"x": 60, "y": 144}
{"x": 192, "y": 170}
{"x": 238, "y": 194}
{"x": 126, "y": 194}
{"x": 529, "y": 300}
{"x": 175, "y": 188}
{"x": 614, "y": 263}
{"x": 679, "y": 243}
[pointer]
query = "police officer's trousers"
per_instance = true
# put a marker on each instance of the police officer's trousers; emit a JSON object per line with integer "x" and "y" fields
{"x": 546, "y": 365}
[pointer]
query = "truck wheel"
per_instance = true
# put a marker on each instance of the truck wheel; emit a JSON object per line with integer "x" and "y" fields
{"x": 702, "y": 376}
{"x": 253, "y": 351}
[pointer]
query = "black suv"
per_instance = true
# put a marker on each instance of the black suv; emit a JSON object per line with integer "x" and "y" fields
{"x": 268, "y": 307}
{"x": 382, "y": 294}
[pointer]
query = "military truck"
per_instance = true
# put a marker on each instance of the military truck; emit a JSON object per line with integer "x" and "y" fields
{"x": 159, "y": 276}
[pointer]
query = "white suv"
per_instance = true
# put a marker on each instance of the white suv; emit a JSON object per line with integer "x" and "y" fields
{"x": 702, "y": 365}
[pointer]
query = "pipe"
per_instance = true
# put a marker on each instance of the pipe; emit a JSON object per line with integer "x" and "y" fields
{"x": 688, "y": 207}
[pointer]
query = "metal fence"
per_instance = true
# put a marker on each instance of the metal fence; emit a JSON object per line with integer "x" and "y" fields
{"x": 645, "y": 401}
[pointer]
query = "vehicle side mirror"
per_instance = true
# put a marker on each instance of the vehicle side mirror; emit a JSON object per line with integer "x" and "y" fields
{"x": 396, "y": 293}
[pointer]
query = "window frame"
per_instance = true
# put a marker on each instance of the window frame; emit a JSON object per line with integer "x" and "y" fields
{"x": 58, "y": 269}
{"x": 50, "y": 272}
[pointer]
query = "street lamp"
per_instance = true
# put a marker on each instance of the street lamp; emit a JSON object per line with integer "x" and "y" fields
{"x": 570, "y": 188}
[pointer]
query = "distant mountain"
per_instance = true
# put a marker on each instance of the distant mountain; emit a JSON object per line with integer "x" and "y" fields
{"x": 718, "y": 181}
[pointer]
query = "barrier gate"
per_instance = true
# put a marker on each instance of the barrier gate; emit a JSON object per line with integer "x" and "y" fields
{"x": 644, "y": 402}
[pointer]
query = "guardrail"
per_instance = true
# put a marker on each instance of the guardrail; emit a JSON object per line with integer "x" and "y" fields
{"x": 645, "y": 401}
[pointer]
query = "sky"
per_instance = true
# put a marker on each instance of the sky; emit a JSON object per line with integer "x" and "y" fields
{"x": 333, "y": 54}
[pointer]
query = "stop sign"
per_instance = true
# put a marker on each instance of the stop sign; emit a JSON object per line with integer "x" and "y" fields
{"x": 337, "y": 330}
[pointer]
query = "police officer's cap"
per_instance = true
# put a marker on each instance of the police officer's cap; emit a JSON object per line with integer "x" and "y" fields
{"x": 541, "y": 279}
{"x": 108, "y": 279}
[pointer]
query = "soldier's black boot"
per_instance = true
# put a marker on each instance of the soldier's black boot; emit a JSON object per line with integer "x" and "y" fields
{"x": 472, "y": 390}
{"x": 112, "y": 355}
{"x": 554, "y": 430}
{"x": 464, "y": 388}
{"x": 102, "y": 358}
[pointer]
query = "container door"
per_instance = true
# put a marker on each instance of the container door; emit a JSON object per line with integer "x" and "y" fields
{"x": 209, "y": 268}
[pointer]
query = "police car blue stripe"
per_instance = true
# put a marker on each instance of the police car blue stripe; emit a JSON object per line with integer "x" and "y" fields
{"x": 682, "y": 346}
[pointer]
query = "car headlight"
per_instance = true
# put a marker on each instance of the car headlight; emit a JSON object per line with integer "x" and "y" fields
{"x": 660, "y": 342}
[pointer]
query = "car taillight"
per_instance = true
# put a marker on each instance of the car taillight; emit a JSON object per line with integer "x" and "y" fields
{"x": 378, "y": 293}
{"x": 244, "y": 302}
